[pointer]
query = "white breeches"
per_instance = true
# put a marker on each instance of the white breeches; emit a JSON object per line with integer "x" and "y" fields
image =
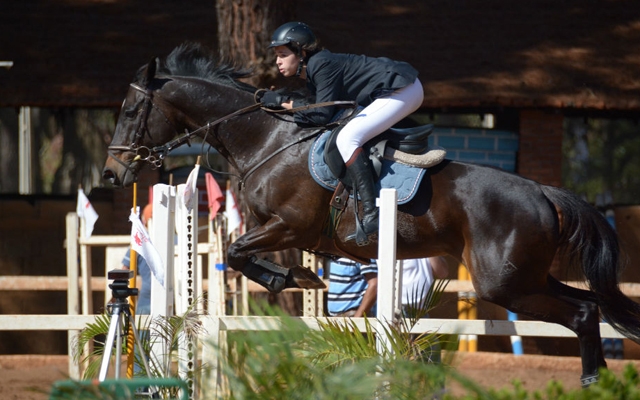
{"x": 379, "y": 116}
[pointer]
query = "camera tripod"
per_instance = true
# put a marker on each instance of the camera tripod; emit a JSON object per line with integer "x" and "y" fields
{"x": 120, "y": 313}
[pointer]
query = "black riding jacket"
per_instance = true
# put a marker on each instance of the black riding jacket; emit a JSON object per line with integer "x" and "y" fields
{"x": 350, "y": 77}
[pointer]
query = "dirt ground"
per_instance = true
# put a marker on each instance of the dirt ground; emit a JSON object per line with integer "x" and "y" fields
{"x": 31, "y": 377}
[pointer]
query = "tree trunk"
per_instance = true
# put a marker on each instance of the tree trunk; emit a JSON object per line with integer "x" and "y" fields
{"x": 244, "y": 32}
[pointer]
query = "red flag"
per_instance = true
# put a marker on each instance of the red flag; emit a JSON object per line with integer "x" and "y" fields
{"x": 214, "y": 194}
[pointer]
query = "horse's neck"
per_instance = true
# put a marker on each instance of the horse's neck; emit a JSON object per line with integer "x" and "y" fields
{"x": 255, "y": 138}
{"x": 244, "y": 140}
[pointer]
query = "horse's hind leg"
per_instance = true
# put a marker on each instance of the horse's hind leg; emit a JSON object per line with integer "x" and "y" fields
{"x": 590, "y": 340}
{"x": 572, "y": 308}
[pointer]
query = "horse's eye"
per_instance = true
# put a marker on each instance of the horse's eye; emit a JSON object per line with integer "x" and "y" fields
{"x": 130, "y": 112}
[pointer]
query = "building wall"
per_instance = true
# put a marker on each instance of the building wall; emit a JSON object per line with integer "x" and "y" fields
{"x": 540, "y": 156}
{"x": 497, "y": 148}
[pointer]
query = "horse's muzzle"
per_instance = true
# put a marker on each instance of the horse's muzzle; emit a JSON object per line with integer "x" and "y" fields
{"x": 109, "y": 176}
{"x": 118, "y": 175}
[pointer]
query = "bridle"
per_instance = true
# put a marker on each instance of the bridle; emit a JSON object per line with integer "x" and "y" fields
{"x": 156, "y": 155}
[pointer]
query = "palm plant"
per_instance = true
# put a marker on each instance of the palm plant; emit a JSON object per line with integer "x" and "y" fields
{"x": 337, "y": 361}
{"x": 172, "y": 331}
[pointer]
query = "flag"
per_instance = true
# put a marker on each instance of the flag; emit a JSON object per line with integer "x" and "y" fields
{"x": 141, "y": 244}
{"x": 190, "y": 187}
{"x": 234, "y": 219}
{"x": 214, "y": 195}
{"x": 85, "y": 210}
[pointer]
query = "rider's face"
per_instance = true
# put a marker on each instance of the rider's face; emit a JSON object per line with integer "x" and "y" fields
{"x": 286, "y": 60}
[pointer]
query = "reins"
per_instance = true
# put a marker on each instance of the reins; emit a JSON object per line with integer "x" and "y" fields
{"x": 157, "y": 154}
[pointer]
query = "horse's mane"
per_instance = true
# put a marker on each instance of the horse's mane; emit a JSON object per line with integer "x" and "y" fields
{"x": 195, "y": 60}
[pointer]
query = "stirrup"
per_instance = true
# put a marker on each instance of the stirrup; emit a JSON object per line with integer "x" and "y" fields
{"x": 361, "y": 238}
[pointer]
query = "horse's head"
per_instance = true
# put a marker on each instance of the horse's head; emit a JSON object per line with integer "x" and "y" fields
{"x": 133, "y": 144}
{"x": 189, "y": 93}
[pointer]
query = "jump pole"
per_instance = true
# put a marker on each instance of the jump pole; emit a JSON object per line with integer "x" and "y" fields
{"x": 217, "y": 268}
{"x": 162, "y": 228}
{"x": 389, "y": 273}
{"x": 186, "y": 272}
{"x": 467, "y": 310}
{"x": 133, "y": 266}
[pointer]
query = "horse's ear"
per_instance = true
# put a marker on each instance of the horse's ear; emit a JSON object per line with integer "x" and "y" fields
{"x": 150, "y": 72}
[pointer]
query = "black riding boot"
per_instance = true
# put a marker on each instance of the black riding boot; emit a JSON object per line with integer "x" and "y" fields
{"x": 361, "y": 175}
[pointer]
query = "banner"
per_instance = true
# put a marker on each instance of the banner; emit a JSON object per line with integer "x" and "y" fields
{"x": 190, "y": 187}
{"x": 141, "y": 244}
{"x": 85, "y": 210}
{"x": 234, "y": 219}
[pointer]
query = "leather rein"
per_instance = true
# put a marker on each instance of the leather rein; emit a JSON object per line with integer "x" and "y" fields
{"x": 156, "y": 155}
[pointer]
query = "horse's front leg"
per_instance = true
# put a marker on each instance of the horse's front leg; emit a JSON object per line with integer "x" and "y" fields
{"x": 272, "y": 236}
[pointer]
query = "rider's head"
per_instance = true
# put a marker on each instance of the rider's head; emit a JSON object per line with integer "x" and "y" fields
{"x": 298, "y": 38}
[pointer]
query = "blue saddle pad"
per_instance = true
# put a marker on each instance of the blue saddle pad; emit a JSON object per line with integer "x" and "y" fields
{"x": 404, "y": 178}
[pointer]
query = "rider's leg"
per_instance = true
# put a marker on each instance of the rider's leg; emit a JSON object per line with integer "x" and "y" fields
{"x": 377, "y": 117}
{"x": 374, "y": 119}
{"x": 360, "y": 173}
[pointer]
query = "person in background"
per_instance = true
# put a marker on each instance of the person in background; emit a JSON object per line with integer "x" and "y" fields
{"x": 418, "y": 275}
{"x": 353, "y": 289}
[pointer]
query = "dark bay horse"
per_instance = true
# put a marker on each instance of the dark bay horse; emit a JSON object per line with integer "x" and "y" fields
{"x": 506, "y": 229}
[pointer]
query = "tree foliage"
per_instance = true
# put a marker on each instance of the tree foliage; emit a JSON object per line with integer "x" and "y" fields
{"x": 600, "y": 156}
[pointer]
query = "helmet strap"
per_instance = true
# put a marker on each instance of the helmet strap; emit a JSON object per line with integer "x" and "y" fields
{"x": 300, "y": 65}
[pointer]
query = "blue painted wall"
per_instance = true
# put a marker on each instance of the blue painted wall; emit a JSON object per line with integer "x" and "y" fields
{"x": 481, "y": 146}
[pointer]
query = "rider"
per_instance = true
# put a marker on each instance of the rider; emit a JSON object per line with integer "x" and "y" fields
{"x": 388, "y": 90}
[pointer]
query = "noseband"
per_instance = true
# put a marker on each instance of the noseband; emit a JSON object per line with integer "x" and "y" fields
{"x": 156, "y": 155}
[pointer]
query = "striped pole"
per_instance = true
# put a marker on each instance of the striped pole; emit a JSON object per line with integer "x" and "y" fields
{"x": 463, "y": 340}
{"x": 472, "y": 313}
{"x": 467, "y": 310}
{"x": 516, "y": 341}
{"x": 133, "y": 266}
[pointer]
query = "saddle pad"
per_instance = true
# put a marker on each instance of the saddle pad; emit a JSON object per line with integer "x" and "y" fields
{"x": 404, "y": 178}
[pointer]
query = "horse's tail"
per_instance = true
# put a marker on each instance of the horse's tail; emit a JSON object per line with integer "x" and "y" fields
{"x": 589, "y": 241}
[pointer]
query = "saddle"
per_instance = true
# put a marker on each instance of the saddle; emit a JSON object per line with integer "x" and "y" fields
{"x": 400, "y": 158}
{"x": 394, "y": 141}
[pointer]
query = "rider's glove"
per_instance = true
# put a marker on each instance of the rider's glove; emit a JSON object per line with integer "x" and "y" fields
{"x": 273, "y": 100}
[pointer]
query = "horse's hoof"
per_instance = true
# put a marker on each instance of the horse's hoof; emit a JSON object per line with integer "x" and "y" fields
{"x": 304, "y": 278}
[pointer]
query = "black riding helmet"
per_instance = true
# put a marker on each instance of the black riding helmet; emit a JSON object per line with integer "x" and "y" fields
{"x": 295, "y": 34}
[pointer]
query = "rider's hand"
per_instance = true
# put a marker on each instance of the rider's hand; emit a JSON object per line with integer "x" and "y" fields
{"x": 273, "y": 100}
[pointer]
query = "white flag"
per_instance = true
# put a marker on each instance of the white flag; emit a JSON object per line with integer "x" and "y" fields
{"x": 85, "y": 210}
{"x": 141, "y": 244}
{"x": 234, "y": 219}
{"x": 190, "y": 187}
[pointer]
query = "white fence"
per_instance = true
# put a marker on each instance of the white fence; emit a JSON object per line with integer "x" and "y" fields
{"x": 80, "y": 277}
